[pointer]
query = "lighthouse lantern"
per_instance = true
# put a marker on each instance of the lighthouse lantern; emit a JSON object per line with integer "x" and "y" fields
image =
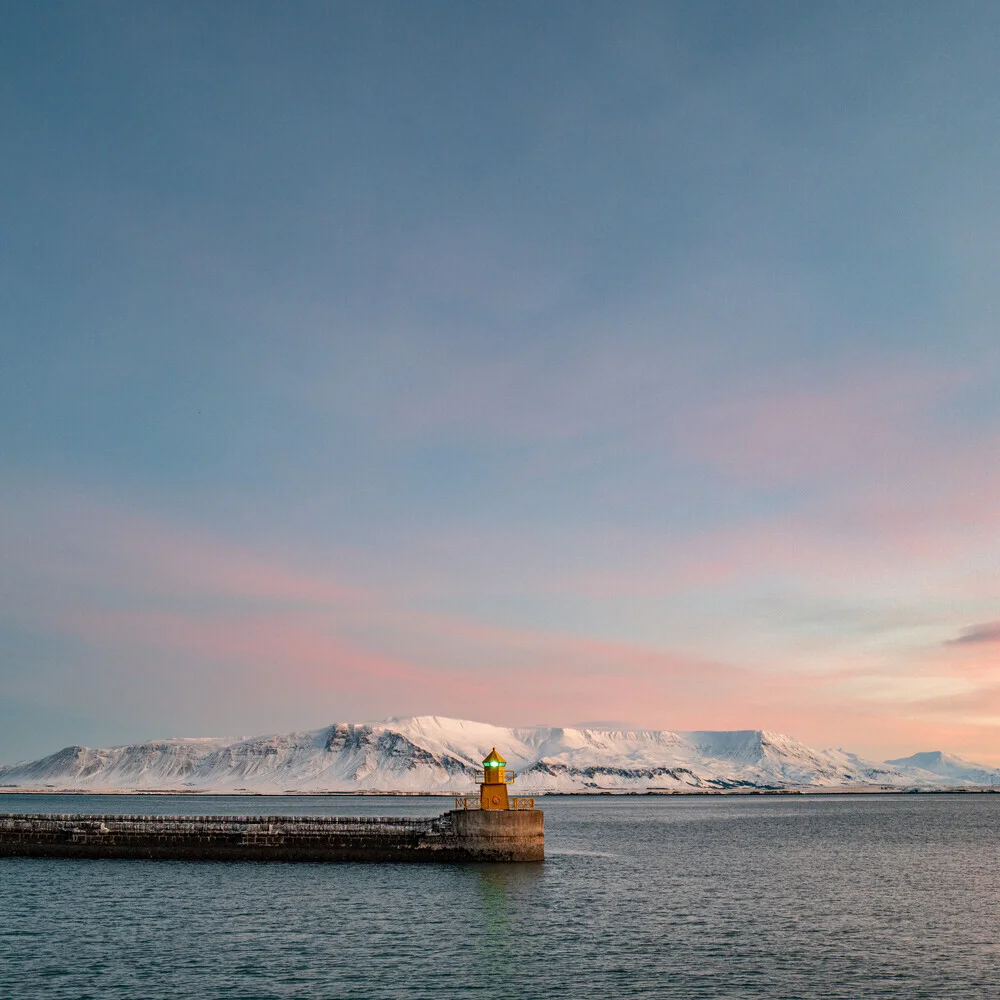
{"x": 493, "y": 790}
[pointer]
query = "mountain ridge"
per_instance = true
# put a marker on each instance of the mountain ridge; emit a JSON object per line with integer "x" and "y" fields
{"x": 438, "y": 754}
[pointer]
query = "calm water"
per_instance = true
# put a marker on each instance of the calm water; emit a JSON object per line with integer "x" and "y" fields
{"x": 794, "y": 897}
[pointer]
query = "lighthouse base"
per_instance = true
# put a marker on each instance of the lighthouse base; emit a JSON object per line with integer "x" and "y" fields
{"x": 500, "y": 835}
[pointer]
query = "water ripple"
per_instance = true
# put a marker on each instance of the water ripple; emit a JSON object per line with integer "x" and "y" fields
{"x": 822, "y": 899}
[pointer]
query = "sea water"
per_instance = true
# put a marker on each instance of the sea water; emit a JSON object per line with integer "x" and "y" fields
{"x": 797, "y": 897}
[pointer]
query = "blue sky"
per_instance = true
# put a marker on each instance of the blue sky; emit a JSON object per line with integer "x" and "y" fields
{"x": 645, "y": 354}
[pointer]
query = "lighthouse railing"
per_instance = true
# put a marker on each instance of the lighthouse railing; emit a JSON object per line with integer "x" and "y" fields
{"x": 467, "y": 802}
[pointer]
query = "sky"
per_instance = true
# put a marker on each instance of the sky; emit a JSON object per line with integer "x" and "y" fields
{"x": 579, "y": 362}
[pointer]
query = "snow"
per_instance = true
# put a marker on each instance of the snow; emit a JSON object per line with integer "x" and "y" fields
{"x": 955, "y": 770}
{"x": 433, "y": 753}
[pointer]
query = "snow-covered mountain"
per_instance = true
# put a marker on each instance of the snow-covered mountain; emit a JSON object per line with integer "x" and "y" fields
{"x": 429, "y": 753}
{"x": 947, "y": 767}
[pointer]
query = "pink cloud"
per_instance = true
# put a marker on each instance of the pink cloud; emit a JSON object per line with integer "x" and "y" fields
{"x": 785, "y": 429}
{"x": 131, "y": 587}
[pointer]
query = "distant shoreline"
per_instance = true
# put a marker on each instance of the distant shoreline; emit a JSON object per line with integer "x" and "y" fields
{"x": 597, "y": 793}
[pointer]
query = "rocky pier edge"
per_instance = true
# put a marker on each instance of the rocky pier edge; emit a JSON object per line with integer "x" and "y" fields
{"x": 458, "y": 835}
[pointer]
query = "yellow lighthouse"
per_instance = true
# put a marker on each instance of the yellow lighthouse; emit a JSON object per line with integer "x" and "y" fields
{"x": 493, "y": 781}
{"x": 493, "y": 790}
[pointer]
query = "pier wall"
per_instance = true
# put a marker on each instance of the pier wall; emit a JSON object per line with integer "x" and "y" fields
{"x": 496, "y": 835}
{"x": 454, "y": 836}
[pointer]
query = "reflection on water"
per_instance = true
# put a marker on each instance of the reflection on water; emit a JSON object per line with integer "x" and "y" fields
{"x": 502, "y": 889}
{"x": 493, "y": 937}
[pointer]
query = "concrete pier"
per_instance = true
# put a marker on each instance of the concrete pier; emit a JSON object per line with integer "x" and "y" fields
{"x": 459, "y": 835}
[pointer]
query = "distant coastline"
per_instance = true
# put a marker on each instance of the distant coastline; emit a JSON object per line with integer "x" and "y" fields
{"x": 597, "y": 793}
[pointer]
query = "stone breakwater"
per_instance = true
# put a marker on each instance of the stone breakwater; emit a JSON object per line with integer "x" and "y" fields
{"x": 459, "y": 835}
